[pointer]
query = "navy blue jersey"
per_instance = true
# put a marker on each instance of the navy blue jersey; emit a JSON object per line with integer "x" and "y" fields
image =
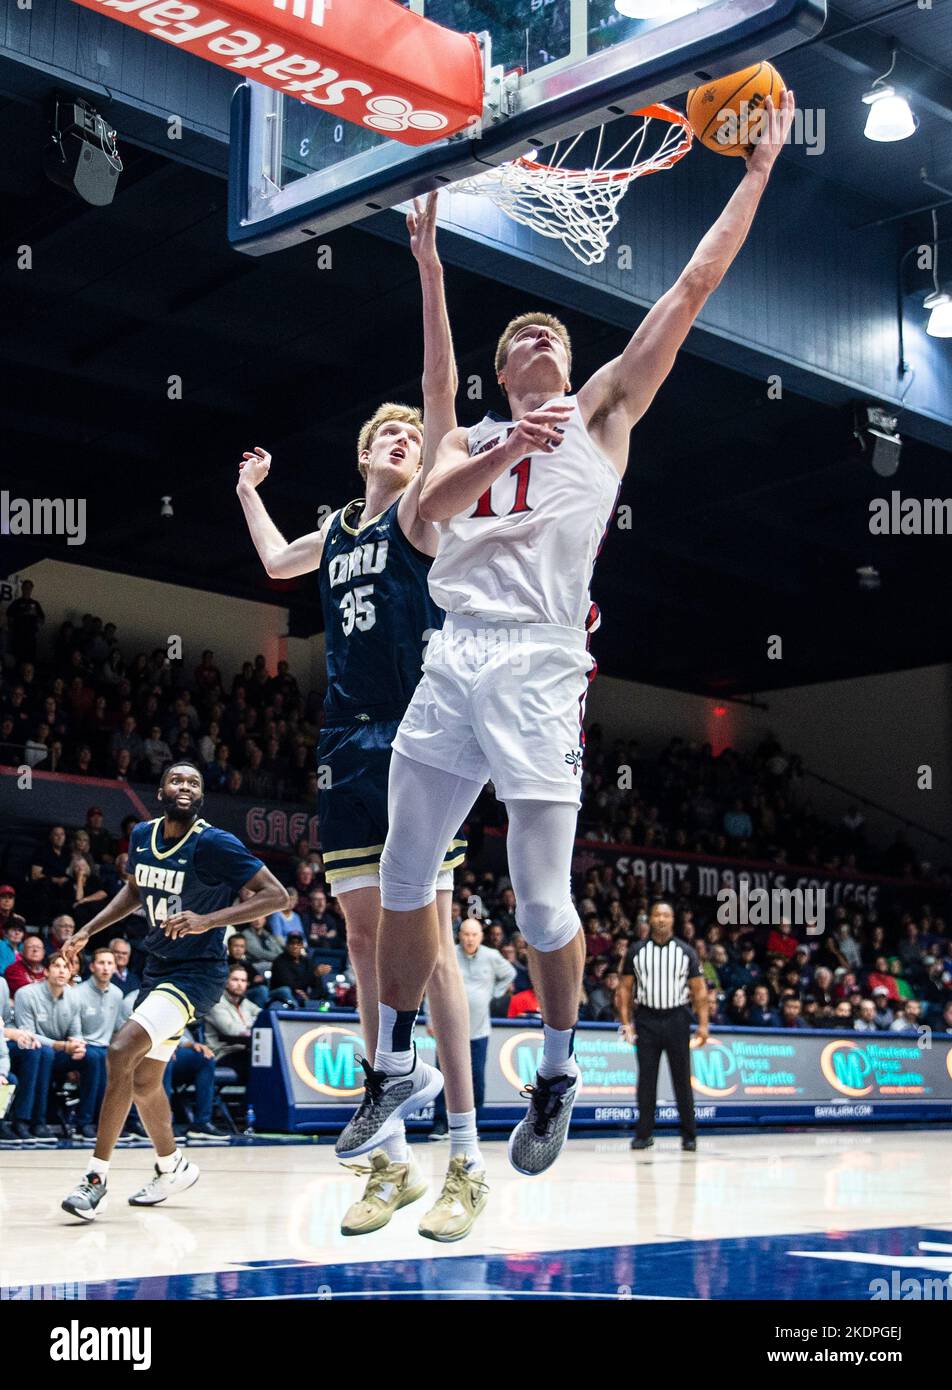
{"x": 378, "y": 615}
{"x": 201, "y": 872}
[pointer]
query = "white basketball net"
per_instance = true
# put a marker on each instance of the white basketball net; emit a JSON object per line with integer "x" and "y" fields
{"x": 580, "y": 206}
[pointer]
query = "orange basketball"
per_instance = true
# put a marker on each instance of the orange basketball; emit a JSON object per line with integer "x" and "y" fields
{"x": 725, "y": 115}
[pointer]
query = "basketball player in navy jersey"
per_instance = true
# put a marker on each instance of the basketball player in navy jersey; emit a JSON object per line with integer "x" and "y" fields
{"x": 373, "y": 558}
{"x": 187, "y": 876}
{"x": 522, "y": 507}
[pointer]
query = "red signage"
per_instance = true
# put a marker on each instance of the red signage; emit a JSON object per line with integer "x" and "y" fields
{"x": 367, "y": 61}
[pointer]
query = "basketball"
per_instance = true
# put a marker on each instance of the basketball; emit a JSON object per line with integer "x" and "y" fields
{"x": 724, "y": 114}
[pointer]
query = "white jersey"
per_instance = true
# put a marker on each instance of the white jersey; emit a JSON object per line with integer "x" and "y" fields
{"x": 525, "y": 552}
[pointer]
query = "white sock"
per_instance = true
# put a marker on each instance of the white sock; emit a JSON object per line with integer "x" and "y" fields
{"x": 464, "y": 1139}
{"x": 99, "y": 1166}
{"x": 558, "y": 1056}
{"x": 169, "y": 1163}
{"x": 395, "y": 1040}
{"x": 396, "y": 1147}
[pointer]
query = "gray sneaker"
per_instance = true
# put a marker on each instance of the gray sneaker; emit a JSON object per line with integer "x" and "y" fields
{"x": 88, "y": 1199}
{"x": 537, "y": 1140}
{"x": 386, "y": 1103}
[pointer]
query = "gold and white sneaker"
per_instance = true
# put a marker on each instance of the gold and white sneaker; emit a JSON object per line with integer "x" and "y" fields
{"x": 390, "y": 1186}
{"x": 465, "y": 1193}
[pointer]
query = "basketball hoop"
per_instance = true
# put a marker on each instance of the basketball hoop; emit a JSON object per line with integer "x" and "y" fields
{"x": 580, "y": 206}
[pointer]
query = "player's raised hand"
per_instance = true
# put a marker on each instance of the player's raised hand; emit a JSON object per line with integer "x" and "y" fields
{"x": 538, "y": 432}
{"x": 186, "y": 924}
{"x": 72, "y": 949}
{"x": 421, "y": 224}
{"x": 773, "y": 128}
{"x": 254, "y": 467}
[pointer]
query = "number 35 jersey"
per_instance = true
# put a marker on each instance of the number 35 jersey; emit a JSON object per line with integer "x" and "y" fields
{"x": 378, "y": 615}
{"x": 200, "y": 872}
{"x": 525, "y": 552}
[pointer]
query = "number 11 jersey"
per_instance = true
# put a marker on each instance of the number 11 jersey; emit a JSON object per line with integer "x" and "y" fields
{"x": 525, "y": 552}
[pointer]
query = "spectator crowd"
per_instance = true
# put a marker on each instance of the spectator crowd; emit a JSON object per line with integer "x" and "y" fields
{"x": 94, "y": 712}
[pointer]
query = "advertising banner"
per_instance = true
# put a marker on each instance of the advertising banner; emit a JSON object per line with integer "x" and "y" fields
{"x": 705, "y": 876}
{"x": 308, "y": 1077}
{"x": 368, "y": 61}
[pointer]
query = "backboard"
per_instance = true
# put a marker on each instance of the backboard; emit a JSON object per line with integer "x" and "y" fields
{"x": 552, "y": 67}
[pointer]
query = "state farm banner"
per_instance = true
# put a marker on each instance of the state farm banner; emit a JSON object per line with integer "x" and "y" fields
{"x": 369, "y": 61}
{"x": 705, "y": 876}
{"x": 306, "y": 1075}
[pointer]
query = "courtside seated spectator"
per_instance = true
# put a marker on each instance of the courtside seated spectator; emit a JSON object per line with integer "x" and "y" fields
{"x": 229, "y": 1023}
{"x": 125, "y": 980}
{"x": 280, "y": 923}
{"x": 261, "y": 945}
{"x": 292, "y": 975}
{"x": 100, "y": 1006}
{"x": 883, "y": 1013}
{"x": 28, "y": 969}
{"x": 193, "y": 1063}
{"x": 909, "y": 1020}
{"x": 18, "y": 1038}
{"x": 12, "y": 935}
{"x": 8, "y": 914}
{"x": 782, "y": 942}
{"x": 865, "y": 1020}
{"x": 51, "y": 1012}
{"x": 236, "y": 946}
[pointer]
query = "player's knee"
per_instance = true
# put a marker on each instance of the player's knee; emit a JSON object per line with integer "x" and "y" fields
{"x": 121, "y": 1058}
{"x": 547, "y": 926}
{"x": 362, "y": 934}
{"x": 446, "y": 970}
{"x": 404, "y": 888}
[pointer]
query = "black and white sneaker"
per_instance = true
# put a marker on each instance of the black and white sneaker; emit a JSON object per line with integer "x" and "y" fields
{"x": 386, "y": 1103}
{"x": 537, "y": 1140}
{"x": 164, "y": 1185}
{"x": 88, "y": 1199}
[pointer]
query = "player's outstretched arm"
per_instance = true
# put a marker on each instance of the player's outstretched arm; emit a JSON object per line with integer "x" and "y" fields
{"x": 458, "y": 480}
{"x": 125, "y": 901}
{"x": 282, "y": 559}
{"x": 615, "y": 398}
{"x": 440, "y": 377}
{"x": 267, "y": 896}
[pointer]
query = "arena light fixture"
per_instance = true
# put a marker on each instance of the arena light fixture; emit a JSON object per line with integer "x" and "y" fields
{"x": 890, "y": 116}
{"x": 940, "y": 319}
{"x": 878, "y": 434}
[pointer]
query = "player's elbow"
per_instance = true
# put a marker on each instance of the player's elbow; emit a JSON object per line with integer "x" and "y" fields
{"x": 276, "y": 568}
{"x": 698, "y": 283}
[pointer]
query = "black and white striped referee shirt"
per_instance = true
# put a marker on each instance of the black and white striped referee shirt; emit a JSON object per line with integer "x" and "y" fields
{"x": 662, "y": 972}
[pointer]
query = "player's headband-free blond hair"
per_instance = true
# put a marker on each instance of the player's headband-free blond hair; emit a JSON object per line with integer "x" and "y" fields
{"x": 523, "y": 321}
{"x": 390, "y": 410}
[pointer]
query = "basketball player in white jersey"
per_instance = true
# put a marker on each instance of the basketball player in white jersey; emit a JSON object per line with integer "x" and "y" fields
{"x": 522, "y": 506}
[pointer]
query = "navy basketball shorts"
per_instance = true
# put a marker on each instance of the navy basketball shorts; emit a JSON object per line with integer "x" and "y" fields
{"x": 355, "y": 759}
{"x": 175, "y": 995}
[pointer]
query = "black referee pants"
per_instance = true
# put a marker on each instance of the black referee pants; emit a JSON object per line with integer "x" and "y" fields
{"x": 664, "y": 1030}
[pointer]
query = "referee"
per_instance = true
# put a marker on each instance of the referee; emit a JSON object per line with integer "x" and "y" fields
{"x": 660, "y": 976}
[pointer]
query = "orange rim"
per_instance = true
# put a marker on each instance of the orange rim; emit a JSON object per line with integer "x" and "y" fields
{"x": 656, "y": 112}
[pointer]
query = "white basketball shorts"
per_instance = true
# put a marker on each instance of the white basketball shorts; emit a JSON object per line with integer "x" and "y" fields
{"x": 503, "y": 701}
